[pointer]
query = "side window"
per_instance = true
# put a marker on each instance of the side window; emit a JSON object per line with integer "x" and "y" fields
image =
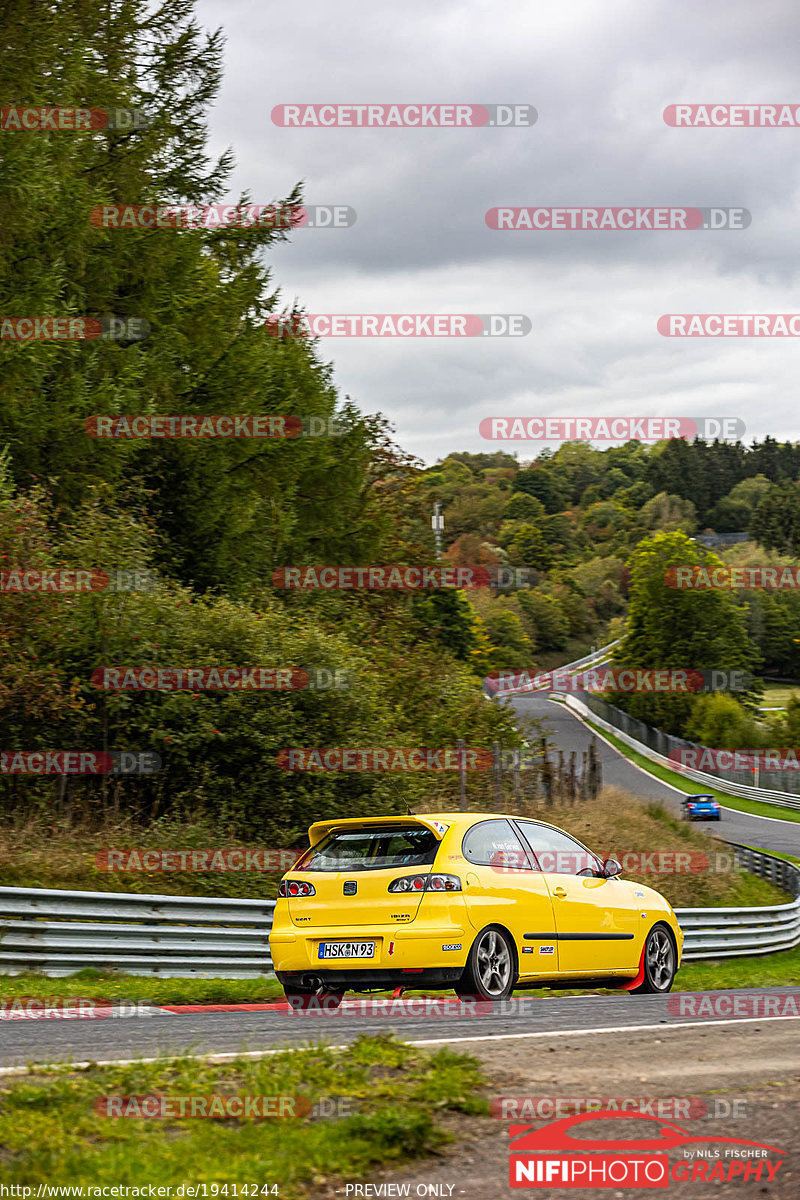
{"x": 495, "y": 844}
{"x": 557, "y": 853}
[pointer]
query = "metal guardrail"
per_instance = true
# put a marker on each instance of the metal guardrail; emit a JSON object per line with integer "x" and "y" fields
{"x": 765, "y": 795}
{"x": 59, "y": 932}
{"x": 590, "y": 660}
{"x": 727, "y": 932}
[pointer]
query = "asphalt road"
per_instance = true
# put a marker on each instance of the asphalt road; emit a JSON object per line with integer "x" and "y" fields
{"x": 569, "y": 733}
{"x": 537, "y": 1022}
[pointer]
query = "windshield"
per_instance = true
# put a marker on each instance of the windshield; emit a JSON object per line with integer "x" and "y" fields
{"x": 371, "y": 849}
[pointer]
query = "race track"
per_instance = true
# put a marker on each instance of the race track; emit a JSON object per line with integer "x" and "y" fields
{"x": 532, "y": 1020}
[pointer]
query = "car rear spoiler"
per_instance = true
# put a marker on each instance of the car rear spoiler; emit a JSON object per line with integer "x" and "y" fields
{"x": 320, "y": 829}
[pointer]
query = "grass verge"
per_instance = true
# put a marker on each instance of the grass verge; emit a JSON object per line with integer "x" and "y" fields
{"x": 57, "y": 853}
{"x": 618, "y": 825}
{"x": 759, "y": 970}
{"x": 377, "y": 1104}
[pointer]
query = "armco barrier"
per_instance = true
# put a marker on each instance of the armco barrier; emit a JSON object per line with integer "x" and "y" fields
{"x": 726, "y": 932}
{"x": 765, "y": 795}
{"x": 59, "y": 932}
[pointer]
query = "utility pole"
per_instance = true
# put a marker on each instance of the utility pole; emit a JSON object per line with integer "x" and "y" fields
{"x": 437, "y": 525}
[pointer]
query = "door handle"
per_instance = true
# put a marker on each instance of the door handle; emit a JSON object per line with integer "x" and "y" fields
{"x": 560, "y": 892}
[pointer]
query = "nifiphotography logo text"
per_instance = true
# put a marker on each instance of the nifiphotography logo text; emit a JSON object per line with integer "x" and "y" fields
{"x": 554, "y": 1156}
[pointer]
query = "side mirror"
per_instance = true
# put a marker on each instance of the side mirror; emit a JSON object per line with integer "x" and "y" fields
{"x": 611, "y": 868}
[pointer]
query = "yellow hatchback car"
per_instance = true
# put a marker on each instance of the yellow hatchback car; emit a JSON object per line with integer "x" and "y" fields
{"x": 482, "y": 903}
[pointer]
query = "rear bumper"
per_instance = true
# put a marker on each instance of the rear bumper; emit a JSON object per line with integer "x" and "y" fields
{"x": 439, "y": 948}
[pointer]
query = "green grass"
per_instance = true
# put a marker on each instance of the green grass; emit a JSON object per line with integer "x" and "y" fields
{"x": 759, "y": 970}
{"x": 689, "y": 787}
{"x": 385, "y": 1101}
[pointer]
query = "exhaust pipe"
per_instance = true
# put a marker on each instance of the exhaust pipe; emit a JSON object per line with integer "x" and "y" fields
{"x": 313, "y": 982}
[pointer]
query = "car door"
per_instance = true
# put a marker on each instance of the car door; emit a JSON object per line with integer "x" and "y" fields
{"x": 596, "y": 919}
{"x": 503, "y": 885}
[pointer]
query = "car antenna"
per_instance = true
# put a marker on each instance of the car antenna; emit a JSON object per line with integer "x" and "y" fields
{"x": 408, "y": 810}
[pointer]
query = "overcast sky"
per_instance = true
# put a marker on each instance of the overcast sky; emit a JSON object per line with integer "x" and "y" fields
{"x": 599, "y": 77}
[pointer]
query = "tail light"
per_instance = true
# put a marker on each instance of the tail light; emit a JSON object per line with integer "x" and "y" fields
{"x": 426, "y": 883}
{"x": 296, "y": 887}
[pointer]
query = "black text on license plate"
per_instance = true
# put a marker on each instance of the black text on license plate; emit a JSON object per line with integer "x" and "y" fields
{"x": 347, "y": 950}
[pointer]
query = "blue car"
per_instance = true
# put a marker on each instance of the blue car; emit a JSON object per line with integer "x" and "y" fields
{"x": 701, "y": 808}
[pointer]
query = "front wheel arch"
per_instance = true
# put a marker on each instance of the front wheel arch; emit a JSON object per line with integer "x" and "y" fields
{"x": 642, "y": 985}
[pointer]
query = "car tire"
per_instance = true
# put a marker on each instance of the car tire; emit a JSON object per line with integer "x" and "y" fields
{"x": 491, "y": 971}
{"x": 659, "y": 962}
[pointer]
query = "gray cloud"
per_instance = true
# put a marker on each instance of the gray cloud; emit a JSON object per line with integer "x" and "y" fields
{"x": 600, "y": 77}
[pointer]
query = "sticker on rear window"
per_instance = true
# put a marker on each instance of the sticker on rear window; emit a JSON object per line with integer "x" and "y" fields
{"x": 440, "y": 826}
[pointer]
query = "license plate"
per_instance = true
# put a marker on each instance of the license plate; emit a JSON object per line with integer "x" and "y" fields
{"x": 346, "y": 950}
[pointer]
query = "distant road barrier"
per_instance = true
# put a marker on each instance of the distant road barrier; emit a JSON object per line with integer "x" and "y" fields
{"x": 591, "y": 660}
